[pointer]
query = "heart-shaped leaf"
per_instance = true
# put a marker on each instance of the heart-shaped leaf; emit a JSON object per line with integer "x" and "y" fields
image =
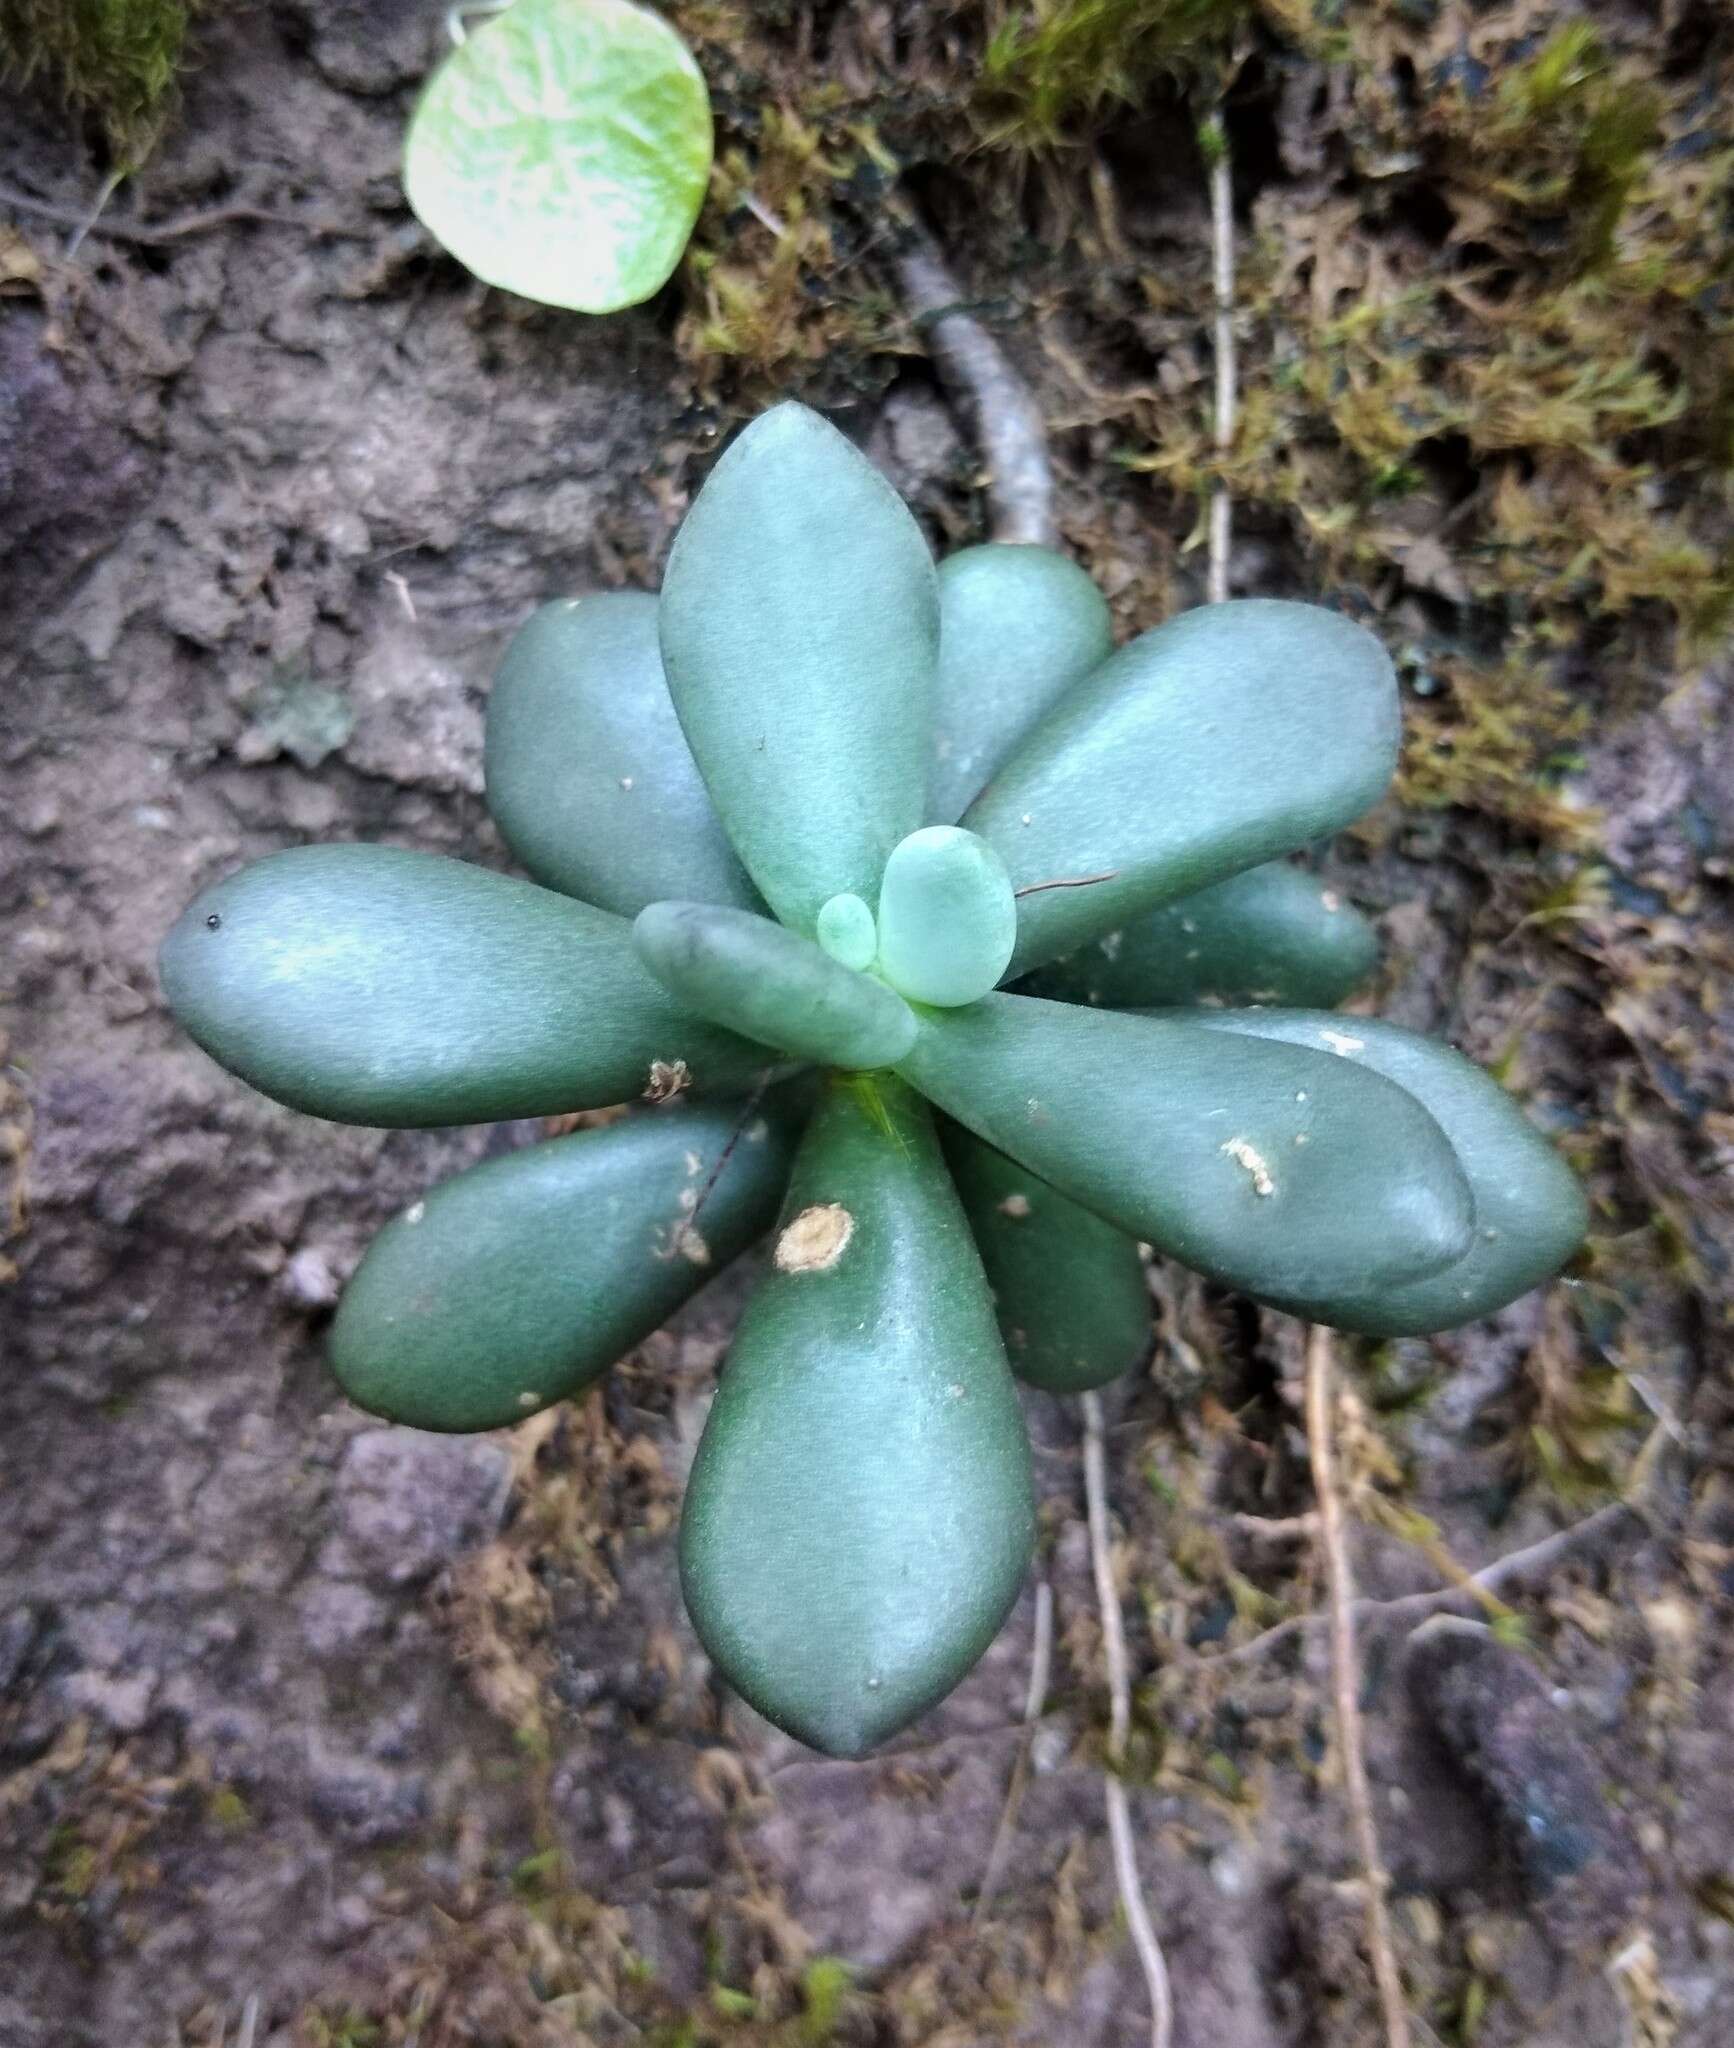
{"x": 800, "y": 627}
{"x": 1530, "y": 1214}
{"x": 1018, "y": 626}
{"x": 1233, "y": 734}
{"x": 563, "y": 152}
{"x": 516, "y": 1284}
{"x": 376, "y": 986}
{"x": 1068, "y": 1288}
{"x": 1286, "y": 1173}
{"x": 1272, "y": 935}
{"x": 772, "y": 985}
{"x": 589, "y": 775}
{"x": 860, "y": 1514}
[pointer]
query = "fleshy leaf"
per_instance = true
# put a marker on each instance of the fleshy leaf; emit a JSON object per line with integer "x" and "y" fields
{"x": 800, "y": 627}
{"x": 1233, "y": 734}
{"x": 563, "y": 152}
{"x": 1285, "y": 1173}
{"x": 1530, "y": 1214}
{"x": 860, "y": 1514}
{"x": 1068, "y": 1288}
{"x": 1018, "y": 626}
{"x": 772, "y": 985}
{"x": 1272, "y": 935}
{"x": 516, "y": 1284}
{"x": 376, "y": 986}
{"x": 947, "y": 917}
{"x": 847, "y": 931}
{"x": 589, "y": 775}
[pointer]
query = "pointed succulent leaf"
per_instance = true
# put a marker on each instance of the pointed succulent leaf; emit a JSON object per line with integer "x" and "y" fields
{"x": 1272, "y": 935}
{"x": 1231, "y": 735}
{"x": 516, "y": 1284}
{"x": 947, "y": 917}
{"x": 589, "y": 775}
{"x": 376, "y": 986}
{"x": 1530, "y": 1214}
{"x": 860, "y": 1514}
{"x": 1018, "y": 626}
{"x": 1288, "y": 1174}
{"x": 563, "y": 152}
{"x": 768, "y": 983}
{"x": 1069, "y": 1289}
{"x": 800, "y": 626}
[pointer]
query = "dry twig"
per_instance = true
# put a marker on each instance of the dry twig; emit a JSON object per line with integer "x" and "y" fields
{"x": 1009, "y": 429}
{"x": 1041, "y": 1666}
{"x": 1150, "y": 1956}
{"x": 1513, "y": 1573}
{"x": 1222, "y": 254}
{"x": 149, "y": 233}
{"x": 1345, "y": 1679}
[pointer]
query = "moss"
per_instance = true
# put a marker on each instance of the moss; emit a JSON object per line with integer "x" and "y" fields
{"x": 116, "y": 60}
{"x": 1057, "y": 64}
{"x": 1481, "y": 743}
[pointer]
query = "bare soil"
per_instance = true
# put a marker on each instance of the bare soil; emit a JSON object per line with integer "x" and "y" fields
{"x": 390, "y": 1738}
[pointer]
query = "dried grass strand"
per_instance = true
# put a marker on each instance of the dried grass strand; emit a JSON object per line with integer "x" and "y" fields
{"x": 1144, "y": 1940}
{"x": 1346, "y": 1680}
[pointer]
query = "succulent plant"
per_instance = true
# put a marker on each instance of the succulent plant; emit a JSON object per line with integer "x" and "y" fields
{"x": 794, "y": 827}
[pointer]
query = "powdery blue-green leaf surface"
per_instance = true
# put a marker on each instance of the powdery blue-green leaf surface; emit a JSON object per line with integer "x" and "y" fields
{"x": 377, "y": 986}
{"x": 516, "y": 1284}
{"x": 947, "y": 918}
{"x": 860, "y": 1513}
{"x": 563, "y": 151}
{"x": 1018, "y": 626}
{"x": 1274, "y": 934}
{"x": 800, "y": 629}
{"x": 1530, "y": 1214}
{"x": 769, "y": 983}
{"x": 1229, "y": 736}
{"x": 1068, "y": 1287}
{"x": 589, "y": 775}
{"x": 1286, "y": 1172}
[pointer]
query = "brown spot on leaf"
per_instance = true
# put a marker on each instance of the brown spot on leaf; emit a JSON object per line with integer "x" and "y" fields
{"x": 815, "y": 1240}
{"x": 668, "y": 1078}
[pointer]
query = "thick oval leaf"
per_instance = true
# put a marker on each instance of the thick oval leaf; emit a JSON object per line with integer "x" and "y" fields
{"x": 1289, "y": 1174}
{"x": 1232, "y": 734}
{"x": 589, "y": 775}
{"x": 1272, "y": 935}
{"x": 376, "y": 986}
{"x": 563, "y": 152}
{"x": 771, "y": 984}
{"x": 800, "y": 627}
{"x": 947, "y": 917}
{"x": 1068, "y": 1288}
{"x": 860, "y": 1514}
{"x": 1530, "y": 1214}
{"x": 516, "y": 1284}
{"x": 1018, "y": 626}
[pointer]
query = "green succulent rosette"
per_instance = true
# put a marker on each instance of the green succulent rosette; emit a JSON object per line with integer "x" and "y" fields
{"x": 914, "y": 919}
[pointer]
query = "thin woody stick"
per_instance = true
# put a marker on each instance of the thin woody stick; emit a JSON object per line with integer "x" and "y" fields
{"x": 1222, "y": 252}
{"x": 1345, "y": 1679}
{"x": 1150, "y": 1957}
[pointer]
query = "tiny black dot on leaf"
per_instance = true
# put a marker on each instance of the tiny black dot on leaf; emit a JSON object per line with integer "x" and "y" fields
{"x": 212, "y": 922}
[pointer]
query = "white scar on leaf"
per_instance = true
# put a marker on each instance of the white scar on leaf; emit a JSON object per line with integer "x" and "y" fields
{"x": 1246, "y": 1155}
